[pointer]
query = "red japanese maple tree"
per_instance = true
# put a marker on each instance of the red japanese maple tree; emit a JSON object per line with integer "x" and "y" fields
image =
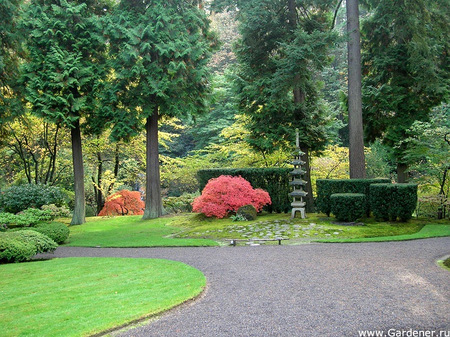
{"x": 123, "y": 202}
{"x": 226, "y": 194}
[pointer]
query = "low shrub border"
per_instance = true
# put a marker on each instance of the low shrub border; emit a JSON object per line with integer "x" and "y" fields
{"x": 348, "y": 206}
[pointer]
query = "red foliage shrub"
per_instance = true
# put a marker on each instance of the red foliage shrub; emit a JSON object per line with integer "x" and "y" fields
{"x": 123, "y": 202}
{"x": 226, "y": 194}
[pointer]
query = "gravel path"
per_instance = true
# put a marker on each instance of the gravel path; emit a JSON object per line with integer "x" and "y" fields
{"x": 307, "y": 290}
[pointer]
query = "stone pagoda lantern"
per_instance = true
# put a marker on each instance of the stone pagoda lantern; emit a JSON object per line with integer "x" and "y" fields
{"x": 297, "y": 182}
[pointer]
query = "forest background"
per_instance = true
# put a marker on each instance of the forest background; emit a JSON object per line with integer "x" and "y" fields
{"x": 406, "y": 111}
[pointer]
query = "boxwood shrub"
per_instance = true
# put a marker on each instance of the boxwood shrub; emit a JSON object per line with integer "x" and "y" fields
{"x": 13, "y": 249}
{"x": 348, "y": 206}
{"x": 273, "y": 180}
{"x": 22, "y": 245}
{"x": 41, "y": 241}
{"x": 327, "y": 187}
{"x": 56, "y": 231}
{"x": 393, "y": 201}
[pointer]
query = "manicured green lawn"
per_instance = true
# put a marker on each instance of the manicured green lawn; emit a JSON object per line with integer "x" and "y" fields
{"x": 84, "y": 296}
{"x": 129, "y": 231}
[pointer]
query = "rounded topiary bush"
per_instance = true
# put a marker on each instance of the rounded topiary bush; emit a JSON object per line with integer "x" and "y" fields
{"x": 41, "y": 241}
{"x": 248, "y": 212}
{"x": 56, "y": 231}
{"x": 348, "y": 206}
{"x": 13, "y": 249}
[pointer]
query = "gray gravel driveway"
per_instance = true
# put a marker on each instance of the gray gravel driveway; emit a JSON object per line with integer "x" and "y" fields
{"x": 306, "y": 290}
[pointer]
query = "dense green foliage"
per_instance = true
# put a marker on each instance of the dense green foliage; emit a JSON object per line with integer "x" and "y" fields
{"x": 21, "y": 245}
{"x": 348, "y": 206}
{"x": 13, "y": 249}
{"x": 283, "y": 46}
{"x": 65, "y": 72}
{"x": 159, "y": 54}
{"x": 18, "y": 198}
{"x": 56, "y": 231}
{"x": 327, "y": 187}
{"x": 392, "y": 201}
{"x": 11, "y": 51}
{"x": 405, "y": 66}
{"x": 273, "y": 180}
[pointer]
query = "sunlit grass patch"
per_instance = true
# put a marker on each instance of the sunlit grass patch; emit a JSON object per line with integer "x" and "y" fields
{"x": 129, "y": 231}
{"x": 83, "y": 296}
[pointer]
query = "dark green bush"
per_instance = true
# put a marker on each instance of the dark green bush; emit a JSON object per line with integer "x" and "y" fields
{"x": 348, "y": 206}
{"x": 56, "y": 231}
{"x": 273, "y": 180}
{"x": 248, "y": 212}
{"x": 327, "y": 187}
{"x": 13, "y": 249}
{"x": 393, "y": 201}
{"x": 18, "y": 198}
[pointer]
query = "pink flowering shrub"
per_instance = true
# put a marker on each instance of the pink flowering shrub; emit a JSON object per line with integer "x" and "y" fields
{"x": 226, "y": 194}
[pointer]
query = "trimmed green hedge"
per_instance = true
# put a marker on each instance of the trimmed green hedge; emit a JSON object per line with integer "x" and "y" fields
{"x": 392, "y": 201}
{"x": 273, "y": 180}
{"x": 348, "y": 206}
{"x": 327, "y": 187}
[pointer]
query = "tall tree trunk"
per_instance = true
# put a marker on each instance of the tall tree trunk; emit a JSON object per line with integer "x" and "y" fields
{"x": 153, "y": 201}
{"x": 356, "y": 137}
{"x": 78, "y": 174}
{"x": 402, "y": 174}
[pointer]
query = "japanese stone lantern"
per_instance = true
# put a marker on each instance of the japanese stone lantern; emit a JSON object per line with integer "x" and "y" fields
{"x": 297, "y": 182}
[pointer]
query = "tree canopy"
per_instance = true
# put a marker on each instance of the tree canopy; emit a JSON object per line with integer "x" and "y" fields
{"x": 160, "y": 50}
{"x": 65, "y": 72}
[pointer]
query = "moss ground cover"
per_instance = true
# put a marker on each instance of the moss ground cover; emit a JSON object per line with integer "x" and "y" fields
{"x": 317, "y": 227}
{"x": 129, "y": 231}
{"x": 198, "y": 230}
{"x": 84, "y": 296}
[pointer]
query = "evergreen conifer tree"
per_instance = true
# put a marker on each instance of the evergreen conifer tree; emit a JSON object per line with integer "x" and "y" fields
{"x": 283, "y": 45}
{"x": 11, "y": 51}
{"x": 405, "y": 67}
{"x": 65, "y": 72}
{"x": 159, "y": 55}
